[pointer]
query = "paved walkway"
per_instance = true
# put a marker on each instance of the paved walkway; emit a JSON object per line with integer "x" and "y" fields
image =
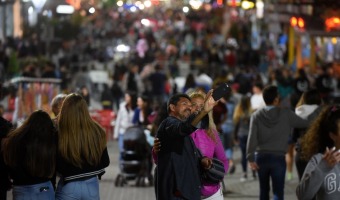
{"x": 237, "y": 190}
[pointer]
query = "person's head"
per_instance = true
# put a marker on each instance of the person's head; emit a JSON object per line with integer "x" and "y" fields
{"x": 81, "y": 139}
{"x": 310, "y": 97}
{"x": 142, "y": 101}
{"x": 32, "y": 145}
{"x": 271, "y": 95}
{"x": 57, "y": 102}
{"x": 242, "y": 109}
{"x": 323, "y": 132}
{"x": 84, "y": 91}
{"x": 257, "y": 88}
{"x": 130, "y": 99}
{"x": 197, "y": 101}
{"x": 179, "y": 106}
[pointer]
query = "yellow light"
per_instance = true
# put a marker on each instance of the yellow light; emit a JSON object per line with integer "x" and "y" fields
{"x": 293, "y": 21}
{"x": 334, "y": 40}
{"x": 247, "y": 5}
{"x": 301, "y": 22}
{"x": 120, "y": 3}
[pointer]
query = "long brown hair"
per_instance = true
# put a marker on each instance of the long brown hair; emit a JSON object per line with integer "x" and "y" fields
{"x": 32, "y": 146}
{"x": 243, "y": 110}
{"x": 81, "y": 139}
{"x": 317, "y": 137}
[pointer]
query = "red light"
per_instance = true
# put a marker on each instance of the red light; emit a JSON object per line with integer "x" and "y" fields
{"x": 333, "y": 22}
{"x": 219, "y": 2}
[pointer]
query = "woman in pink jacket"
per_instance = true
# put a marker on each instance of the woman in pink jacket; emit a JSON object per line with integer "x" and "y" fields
{"x": 209, "y": 143}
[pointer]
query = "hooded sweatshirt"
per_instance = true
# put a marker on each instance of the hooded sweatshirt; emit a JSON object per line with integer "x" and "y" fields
{"x": 270, "y": 128}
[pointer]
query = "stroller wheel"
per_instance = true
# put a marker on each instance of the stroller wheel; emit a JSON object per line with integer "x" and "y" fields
{"x": 119, "y": 180}
{"x": 138, "y": 181}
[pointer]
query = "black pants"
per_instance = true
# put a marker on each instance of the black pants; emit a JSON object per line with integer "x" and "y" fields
{"x": 3, "y": 194}
{"x": 300, "y": 164}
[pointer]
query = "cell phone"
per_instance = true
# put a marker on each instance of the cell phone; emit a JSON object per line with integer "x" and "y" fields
{"x": 222, "y": 90}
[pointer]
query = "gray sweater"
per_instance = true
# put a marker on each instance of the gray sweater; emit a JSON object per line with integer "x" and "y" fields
{"x": 270, "y": 128}
{"x": 319, "y": 180}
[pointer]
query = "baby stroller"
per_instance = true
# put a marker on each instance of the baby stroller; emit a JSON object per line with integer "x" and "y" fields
{"x": 135, "y": 159}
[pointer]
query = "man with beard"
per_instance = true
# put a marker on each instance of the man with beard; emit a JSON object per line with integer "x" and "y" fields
{"x": 178, "y": 164}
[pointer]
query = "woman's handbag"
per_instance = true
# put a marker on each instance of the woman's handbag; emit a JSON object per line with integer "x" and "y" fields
{"x": 215, "y": 173}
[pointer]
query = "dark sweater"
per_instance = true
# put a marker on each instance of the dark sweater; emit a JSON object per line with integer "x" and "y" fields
{"x": 70, "y": 172}
{"x": 270, "y": 129}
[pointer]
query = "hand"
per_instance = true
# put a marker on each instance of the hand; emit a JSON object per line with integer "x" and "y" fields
{"x": 253, "y": 166}
{"x": 206, "y": 163}
{"x": 156, "y": 146}
{"x": 331, "y": 156}
{"x": 209, "y": 102}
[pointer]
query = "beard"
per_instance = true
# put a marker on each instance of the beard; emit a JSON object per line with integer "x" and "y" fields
{"x": 185, "y": 114}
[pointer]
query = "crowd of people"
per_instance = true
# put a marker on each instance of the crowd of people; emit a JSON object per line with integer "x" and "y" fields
{"x": 267, "y": 113}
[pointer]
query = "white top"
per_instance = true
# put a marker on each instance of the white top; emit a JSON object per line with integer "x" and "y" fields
{"x": 123, "y": 121}
{"x": 257, "y": 101}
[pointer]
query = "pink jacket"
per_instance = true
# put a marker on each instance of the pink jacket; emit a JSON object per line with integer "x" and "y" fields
{"x": 210, "y": 149}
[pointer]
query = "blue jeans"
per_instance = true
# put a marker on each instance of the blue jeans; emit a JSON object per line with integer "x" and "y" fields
{"x": 78, "y": 190}
{"x": 121, "y": 145}
{"x": 41, "y": 191}
{"x": 243, "y": 146}
{"x": 274, "y": 167}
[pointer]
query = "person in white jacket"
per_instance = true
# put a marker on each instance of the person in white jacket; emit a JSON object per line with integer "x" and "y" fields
{"x": 321, "y": 146}
{"x": 309, "y": 105}
{"x": 124, "y": 118}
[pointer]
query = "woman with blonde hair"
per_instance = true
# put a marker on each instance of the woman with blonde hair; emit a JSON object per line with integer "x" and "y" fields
{"x": 209, "y": 143}
{"x": 82, "y": 153}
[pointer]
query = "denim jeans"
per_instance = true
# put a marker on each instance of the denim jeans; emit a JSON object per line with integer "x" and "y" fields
{"x": 274, "y": 167}
{"x": 78, "y": 190}
{"x": 121, "y": 145}
{"x": 243, "y": 146}
{"x": 41, "y": 191}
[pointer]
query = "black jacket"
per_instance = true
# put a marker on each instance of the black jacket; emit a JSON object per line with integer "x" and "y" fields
{"x": 5, "y": 183}
{"x": 69, "y": 172}
{"x": 178, "y": 163}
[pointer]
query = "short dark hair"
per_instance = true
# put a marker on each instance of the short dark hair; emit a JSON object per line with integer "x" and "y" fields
{"x": 269, "y": 94}
{"x": 175, "y": 99}
{"x": 312, "y": 97}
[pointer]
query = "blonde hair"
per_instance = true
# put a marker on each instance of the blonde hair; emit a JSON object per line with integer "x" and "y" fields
{"x": 211, "y": 129}
{"x": 81, "y": 139}
{"x": 242, "y": 109}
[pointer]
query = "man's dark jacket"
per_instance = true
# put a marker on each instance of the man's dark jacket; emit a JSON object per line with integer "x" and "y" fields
{"x": 178, "y": 164}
